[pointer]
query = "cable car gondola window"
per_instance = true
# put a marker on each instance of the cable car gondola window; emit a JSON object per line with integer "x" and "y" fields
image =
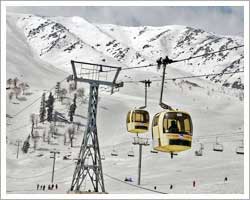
{"x": 140, "y": 116}
{"x": 187, "y": 126}
{"x": 177, "y": 123}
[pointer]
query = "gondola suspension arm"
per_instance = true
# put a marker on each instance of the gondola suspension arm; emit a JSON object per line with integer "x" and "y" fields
{"x": 164, "y": 62}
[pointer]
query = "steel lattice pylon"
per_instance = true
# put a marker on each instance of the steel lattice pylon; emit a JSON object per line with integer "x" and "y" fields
{"x": 90, "y": 150}
{"x": 89, "y": 163}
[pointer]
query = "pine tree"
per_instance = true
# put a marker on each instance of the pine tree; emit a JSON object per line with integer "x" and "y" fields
{"x": 42, "y": 108}
{"x": 80, "y": 93}
{"x": 44, "y": 135}
{"x": 72, "y": 86}
{"x": 74, "y": 100}
{"x": 32, "y": 119}
{"x": 50, "y": 105}
{"x": 62, "y": 94}
{"x": 11, "y": 94}
{"x": 26, "y": 145}
{"x": 48, "y": 139}
{"x": 72, "y": 111}
{"x": 17, "y": 91}
{"x": 15, "y": 81}
{"x": 35, "y": 143}
{"x": 65, "y": 139}
{"x": 24, "y": 86}
{"x": 71, "y": 132}
{"x": 9, "y": 82}
{"x": 57, "y": 89}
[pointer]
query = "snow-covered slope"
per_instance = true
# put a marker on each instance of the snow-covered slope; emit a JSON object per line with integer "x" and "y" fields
{"x": 216, "y": 111}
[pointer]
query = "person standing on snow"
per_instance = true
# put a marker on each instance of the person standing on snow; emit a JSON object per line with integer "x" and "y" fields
{"x": 194, "y": 183}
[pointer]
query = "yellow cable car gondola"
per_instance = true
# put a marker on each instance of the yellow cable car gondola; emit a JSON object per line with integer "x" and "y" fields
{"x": 172, "y": 131}
{"x": 137, "y": 121}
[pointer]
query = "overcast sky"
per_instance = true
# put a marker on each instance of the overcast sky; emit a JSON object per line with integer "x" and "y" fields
{"x": 224, "y": 20}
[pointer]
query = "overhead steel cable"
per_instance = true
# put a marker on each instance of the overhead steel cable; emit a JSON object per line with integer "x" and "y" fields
{"x": 188, "y": 77}
{"x": 144, "y": 66}
{"x": 175, "y": 61}
{"x": 189, "y": 58}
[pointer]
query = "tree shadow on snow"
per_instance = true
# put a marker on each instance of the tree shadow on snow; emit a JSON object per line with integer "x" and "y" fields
{"x": 76, "y": 115}
{"x": 22, "y": 98}
{"x": 28, "y": 93}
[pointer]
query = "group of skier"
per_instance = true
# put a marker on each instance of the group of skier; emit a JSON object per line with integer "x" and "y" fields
{"x": 50, "y": 187}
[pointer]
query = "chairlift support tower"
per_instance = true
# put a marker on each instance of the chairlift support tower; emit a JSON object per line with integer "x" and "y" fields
{"x": 89, "y": 163}
{"x": 142, "y": 141}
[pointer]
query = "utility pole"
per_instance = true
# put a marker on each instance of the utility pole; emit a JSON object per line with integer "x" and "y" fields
{"x": 18, "y": 144}
{"x": 54, "y": 161}
{"x": 147, "y": 84}
{"x": 141, "y": 142}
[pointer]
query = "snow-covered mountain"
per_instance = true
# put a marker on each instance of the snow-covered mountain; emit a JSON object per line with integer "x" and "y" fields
{"x": 39, "y": 50}
{"x": 59, "y": 39}
{"x": 21, "y": 60}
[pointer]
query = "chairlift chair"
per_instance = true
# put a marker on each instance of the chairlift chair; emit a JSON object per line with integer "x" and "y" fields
{"x": 131, "y": 153}
{"x": 199, "y": 152}
{"x": 240, "y": 149}
{"x": 114, "y": 153}
{"x": 153, "y": 151}
{"x": 217, "y": 146}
